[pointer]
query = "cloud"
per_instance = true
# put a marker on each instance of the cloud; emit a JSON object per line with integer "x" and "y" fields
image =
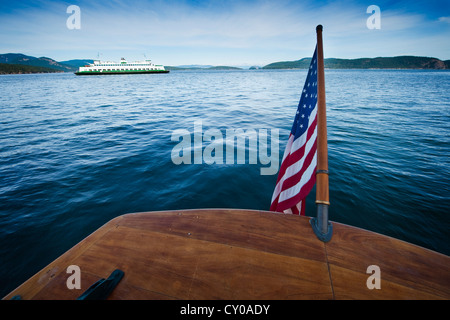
{"x": 265, "y": 29}
{"x": 444, "y": 19}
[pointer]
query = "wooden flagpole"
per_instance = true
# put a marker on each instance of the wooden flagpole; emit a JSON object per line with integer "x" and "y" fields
{"x": 321, "y": 226}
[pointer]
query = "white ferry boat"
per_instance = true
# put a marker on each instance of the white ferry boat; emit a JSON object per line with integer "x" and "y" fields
{"x": 122, "y": 67}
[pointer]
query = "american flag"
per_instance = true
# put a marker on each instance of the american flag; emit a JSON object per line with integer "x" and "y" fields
{"x": 297, "y": 174}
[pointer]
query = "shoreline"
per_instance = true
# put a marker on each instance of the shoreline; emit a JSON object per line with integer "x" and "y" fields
{"x": 239, "y": 69}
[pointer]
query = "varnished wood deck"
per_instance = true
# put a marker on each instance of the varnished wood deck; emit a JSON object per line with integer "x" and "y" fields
{"x": 241, "y": 254}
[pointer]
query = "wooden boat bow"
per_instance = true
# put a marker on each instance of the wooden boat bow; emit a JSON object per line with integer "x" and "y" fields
{"x": 241, "y": 254}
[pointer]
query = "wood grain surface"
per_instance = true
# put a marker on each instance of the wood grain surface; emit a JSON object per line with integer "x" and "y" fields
{"x": 241, "y": 254}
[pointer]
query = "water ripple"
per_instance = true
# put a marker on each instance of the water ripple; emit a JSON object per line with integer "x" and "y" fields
{"x": 71, "y": 157}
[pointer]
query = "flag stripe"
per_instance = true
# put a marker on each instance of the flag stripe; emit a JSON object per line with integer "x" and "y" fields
{"x": 298, "y": 157}
{"x": 284, "y": 163}
{"x": 294, "y": 175}
{"x": 293, "y": 154}
{"x": 295, "y": 162}
{"x": 299, "y": 191}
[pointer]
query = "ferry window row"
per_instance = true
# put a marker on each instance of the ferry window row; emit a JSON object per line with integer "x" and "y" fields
{"x": 124, "y": 69}
{"x": 119, "y": 65}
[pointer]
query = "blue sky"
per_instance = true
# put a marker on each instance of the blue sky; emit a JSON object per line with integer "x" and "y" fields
{"x": 240, "y": 33}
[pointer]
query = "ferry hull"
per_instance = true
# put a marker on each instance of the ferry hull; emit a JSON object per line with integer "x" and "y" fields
{"x": 92, "y": 73}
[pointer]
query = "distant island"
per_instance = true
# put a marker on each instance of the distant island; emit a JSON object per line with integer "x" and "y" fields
{"x": 400, "y": 62}
{"x": 17, "y": 63}
{"x": 21, "y": 63}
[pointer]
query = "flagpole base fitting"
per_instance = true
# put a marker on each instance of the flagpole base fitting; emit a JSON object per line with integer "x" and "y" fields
{"x": 324, "y": 237}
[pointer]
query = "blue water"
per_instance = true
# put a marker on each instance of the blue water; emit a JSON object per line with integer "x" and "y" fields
{"x": 76, "y": 152}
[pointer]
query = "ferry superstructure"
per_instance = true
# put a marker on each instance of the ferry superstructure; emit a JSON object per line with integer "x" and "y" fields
{"x": 122, "y": 67}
